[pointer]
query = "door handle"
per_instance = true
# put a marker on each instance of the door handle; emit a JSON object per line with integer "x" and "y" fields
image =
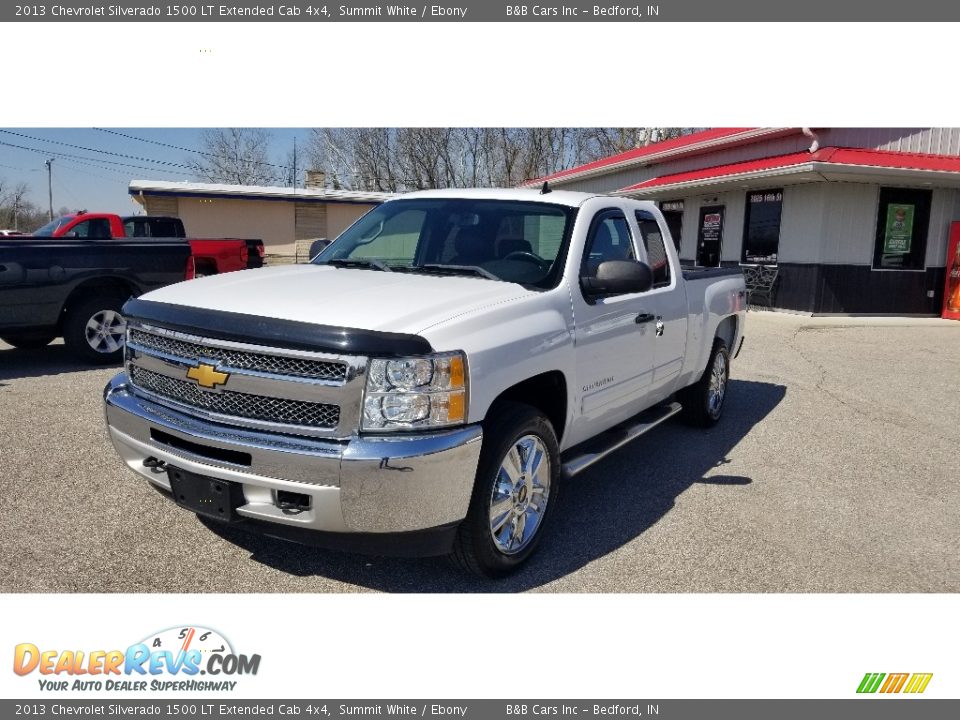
{"x": 643, "y": 318}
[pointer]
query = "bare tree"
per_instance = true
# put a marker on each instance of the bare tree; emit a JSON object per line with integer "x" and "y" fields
{"x": 17, "y": 212}
{"x": 400, "y": 159}
{"x": 238, "y": 156}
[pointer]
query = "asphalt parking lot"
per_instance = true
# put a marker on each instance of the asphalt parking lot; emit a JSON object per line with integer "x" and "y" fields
{"x": 834, "y": 469}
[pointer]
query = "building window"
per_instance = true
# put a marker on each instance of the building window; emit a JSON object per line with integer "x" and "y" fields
{"x": 761, "y": 226}
{"x": 673, "y": 213}
{"x": 903, "y": 218}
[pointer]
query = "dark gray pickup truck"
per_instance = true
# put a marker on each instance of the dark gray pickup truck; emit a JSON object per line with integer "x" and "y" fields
{"x": 75, "y": 289}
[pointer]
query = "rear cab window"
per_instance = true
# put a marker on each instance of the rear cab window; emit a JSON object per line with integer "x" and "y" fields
{"x": 658, "y": 258}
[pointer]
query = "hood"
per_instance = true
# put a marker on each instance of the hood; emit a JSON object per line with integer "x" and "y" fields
{"x": 343, "y": 297}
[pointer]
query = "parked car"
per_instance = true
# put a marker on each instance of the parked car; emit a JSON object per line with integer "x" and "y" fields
{"x": 212, "y": 256}
{"x": 10, "y": 233}
{"x": 432, "y": 379}
{"x": 75, "y": 289}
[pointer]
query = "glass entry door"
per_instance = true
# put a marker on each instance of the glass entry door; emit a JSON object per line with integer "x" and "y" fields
{"x": 710, "y": 235}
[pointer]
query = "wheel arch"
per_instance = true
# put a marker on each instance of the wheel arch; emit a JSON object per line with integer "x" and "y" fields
{"x": 726, "y": 331}
{"x": 547, "y": 392}
{"x": 94, "y": 287}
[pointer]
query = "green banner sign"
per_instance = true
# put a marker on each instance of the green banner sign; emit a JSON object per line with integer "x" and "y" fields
{"x": 898, "y": 234}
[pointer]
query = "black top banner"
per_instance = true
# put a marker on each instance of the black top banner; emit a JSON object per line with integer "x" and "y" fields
{"x": 486, "y": 11}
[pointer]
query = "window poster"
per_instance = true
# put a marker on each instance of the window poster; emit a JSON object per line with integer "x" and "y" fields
{"x": 898, "y": 234}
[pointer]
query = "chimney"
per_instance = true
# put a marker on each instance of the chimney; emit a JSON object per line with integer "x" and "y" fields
{"x": 315, "y": 179}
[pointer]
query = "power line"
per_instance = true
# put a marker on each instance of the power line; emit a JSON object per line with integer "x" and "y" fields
{"x": 95, "y": 150}
{"x": 72, "y": 168}
{"x": 19, "y": 169}
{"x": 98, "y": 160}
{"x": 185, "y": 149}
{"x": 152, "y": 142}
{"x": 96, "y": 164}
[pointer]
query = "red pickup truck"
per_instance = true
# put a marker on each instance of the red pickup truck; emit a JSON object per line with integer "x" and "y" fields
{"x": 212, "y": 256}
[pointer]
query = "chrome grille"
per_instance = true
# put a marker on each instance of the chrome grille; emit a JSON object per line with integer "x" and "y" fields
{"x": 241, "y": 359}
{"x": 241, "y": 405}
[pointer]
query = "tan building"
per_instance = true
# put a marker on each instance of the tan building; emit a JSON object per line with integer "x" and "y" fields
{"x": 286, "y": 219}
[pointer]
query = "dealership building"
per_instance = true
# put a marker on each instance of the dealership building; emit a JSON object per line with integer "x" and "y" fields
{"x": 286, "y": 219}
{"x": 856, "y": 220}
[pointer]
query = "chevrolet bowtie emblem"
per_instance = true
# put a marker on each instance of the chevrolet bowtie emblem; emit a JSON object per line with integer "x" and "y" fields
{"x": 207, "y": 376}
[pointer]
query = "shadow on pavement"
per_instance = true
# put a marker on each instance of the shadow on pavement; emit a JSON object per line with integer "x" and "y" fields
{"x": 599, "y": 511}
{"x": 50, "y": 360}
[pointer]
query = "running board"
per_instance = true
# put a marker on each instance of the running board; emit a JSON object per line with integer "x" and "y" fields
{"x": 579, "y": 458}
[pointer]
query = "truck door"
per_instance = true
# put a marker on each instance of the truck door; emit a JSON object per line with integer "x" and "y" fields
{"x": 614, "y": 348}
{"x": 667, "y": 302}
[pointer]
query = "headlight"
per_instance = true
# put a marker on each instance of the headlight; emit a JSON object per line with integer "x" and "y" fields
{"x": 410, "y": 393}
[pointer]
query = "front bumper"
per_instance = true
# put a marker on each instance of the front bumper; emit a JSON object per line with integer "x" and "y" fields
{"x": 363, "y": 489}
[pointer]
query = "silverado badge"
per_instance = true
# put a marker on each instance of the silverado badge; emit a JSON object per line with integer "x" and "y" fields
{"x": 207, "y": 376}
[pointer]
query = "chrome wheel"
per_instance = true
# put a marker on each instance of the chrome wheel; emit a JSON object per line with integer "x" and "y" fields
{"x": 718, "y": 384}
{"x": 105, "y": 331}
{"x": 520, "y": 494}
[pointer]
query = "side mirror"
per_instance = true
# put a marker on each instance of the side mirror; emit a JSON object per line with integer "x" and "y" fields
{"x": 318, "y": 246}
{"x": 72, "y": 234}
{"x": 618, "y": 277}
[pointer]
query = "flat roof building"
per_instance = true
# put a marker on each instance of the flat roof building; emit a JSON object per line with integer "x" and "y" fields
{"x": 285, "y": 218}
{"x": 856, "y": 220}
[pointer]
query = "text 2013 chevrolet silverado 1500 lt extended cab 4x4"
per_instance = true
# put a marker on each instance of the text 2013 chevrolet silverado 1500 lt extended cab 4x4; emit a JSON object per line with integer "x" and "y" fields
{"x": 75, "y": 289}
{"x": 431, "y": 379}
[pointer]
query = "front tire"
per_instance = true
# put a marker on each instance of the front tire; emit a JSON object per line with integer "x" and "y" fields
{"x": 514, "y": 492}
{"x": 703, "y": 401}
{"x": 94, "y": 330}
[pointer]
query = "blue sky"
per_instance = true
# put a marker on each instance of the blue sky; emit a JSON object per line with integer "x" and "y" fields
{"x": 94, "y": 179}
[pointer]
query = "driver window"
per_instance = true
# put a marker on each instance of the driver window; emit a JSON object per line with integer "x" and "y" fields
{"x": 609, "y": 240}
{"x": 81, "y": 229}
{"x": 97, "y": 229}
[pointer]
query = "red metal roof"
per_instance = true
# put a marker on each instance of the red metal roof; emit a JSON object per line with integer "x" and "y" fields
{"x": 652, "y": 149}
{"x": 850, "y": 157}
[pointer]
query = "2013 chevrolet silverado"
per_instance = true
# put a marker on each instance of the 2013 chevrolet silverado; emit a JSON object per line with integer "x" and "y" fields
{"x": 429, "y": 382}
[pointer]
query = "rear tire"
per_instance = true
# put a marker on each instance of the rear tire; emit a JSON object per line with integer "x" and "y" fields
{"x": 94, "y": 330}
{"x": 514, "y": 493}
{"x": 30, "y": 339}
{"x": 703, "y": 401}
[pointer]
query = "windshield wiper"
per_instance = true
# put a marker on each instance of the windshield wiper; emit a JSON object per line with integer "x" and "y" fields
{"x": 454, "y": 270}
{"x": 367, "y": 263}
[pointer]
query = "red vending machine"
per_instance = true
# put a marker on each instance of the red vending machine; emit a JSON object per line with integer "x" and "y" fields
{"x": 951, "y": 293}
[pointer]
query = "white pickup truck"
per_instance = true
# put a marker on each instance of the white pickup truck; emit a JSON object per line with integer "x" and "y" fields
{"x": 428, "y": 382}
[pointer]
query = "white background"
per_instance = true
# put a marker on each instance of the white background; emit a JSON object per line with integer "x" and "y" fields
{"x": 692, "y": 75}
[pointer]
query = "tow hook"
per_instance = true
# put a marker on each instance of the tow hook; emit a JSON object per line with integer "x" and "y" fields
{"x": 157, "y": 466}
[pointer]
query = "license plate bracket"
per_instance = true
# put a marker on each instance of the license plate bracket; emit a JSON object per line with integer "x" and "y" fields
{"x": 207, "y": 496}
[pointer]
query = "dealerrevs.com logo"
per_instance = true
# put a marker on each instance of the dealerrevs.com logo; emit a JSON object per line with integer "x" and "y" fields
{"x": 892, "y": 683}
{"x": 173, "y": 659}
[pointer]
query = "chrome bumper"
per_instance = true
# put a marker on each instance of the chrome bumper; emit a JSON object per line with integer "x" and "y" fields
{"x": 393, "y": 484}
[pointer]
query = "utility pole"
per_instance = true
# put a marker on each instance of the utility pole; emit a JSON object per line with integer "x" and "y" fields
{"x": 294, "y": 176}
{"x": 49, "y": 165}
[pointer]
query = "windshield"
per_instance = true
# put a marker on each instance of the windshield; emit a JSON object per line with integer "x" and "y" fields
{"x": 521, "y": 242}
{"x": 51, "y": 227}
